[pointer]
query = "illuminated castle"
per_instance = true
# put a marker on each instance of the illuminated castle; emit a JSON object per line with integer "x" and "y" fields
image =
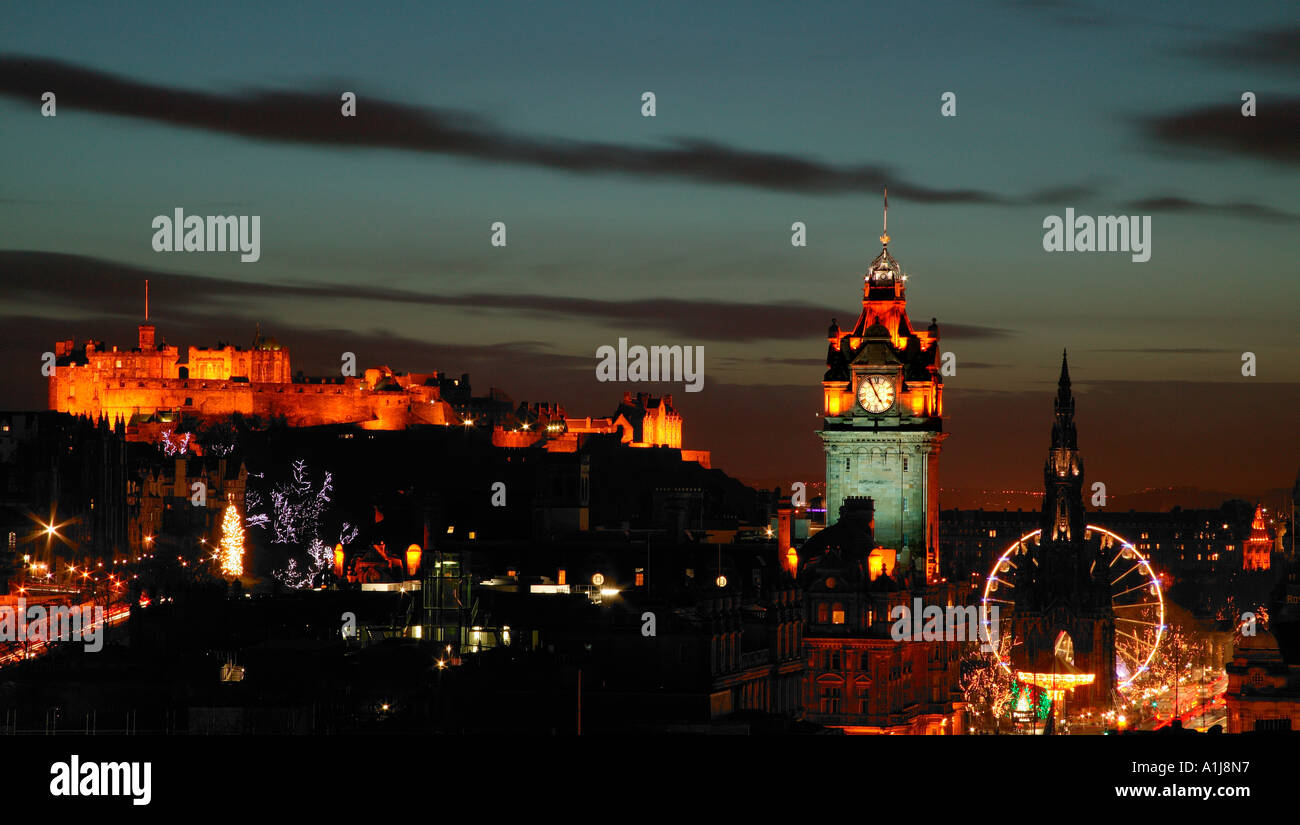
{"x": 149, "y": 386}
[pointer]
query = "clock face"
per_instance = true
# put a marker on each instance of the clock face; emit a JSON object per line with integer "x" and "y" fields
{"x": 876, "y": 393}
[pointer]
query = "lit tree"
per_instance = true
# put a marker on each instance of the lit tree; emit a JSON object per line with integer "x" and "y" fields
{"x": 293, "y": 510}
{"x": 1169, "y": 675}
{"x": 232, "y": 542}
{"x": 986, "y": 686}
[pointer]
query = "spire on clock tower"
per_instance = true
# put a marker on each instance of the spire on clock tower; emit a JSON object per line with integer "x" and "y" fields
{"x": 884, "y": 276}
{"x": 884, "y": 234}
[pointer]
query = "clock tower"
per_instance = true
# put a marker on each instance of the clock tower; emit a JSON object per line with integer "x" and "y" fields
{"x": 883, "y": 406}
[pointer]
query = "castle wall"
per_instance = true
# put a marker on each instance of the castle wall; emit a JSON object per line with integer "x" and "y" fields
{"x": 91, "y": 392}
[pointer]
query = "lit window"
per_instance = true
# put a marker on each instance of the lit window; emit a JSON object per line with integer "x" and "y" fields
{"x": 837, "y": 614}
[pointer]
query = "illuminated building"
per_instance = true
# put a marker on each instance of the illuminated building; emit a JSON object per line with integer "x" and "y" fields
{"x": 150, "y": 388}
{"x": 882, "y": 427}
{"x": 1258, "y": 549}
{"x": 1263, "y": 689}
{"x": 641, "y": 420}
{"x": 149, "y": 385}
{"x": 883, "y": 406}
{"x": 1264, "y": 669}
{"x": 858, "y": 676}
{"x": 1063, "y": 620}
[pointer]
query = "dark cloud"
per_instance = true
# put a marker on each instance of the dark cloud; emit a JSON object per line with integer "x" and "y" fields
{"x": 314, "y": 119}
{"x": 1270, "y": 135}
{"x": 1277, "y": 48}
{"x": 81, "y": 285}
{"x": 964, "y": 331}
{"x": 816, "y": 363}
{"x": 820, "y": 363}
{"x": 1234, "y": 209}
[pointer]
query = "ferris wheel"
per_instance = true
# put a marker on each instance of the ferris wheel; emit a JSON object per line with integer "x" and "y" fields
{"x": 1135, "y": 593}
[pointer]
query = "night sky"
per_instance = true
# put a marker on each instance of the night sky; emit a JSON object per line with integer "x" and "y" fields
{"x": 676, "y": 229}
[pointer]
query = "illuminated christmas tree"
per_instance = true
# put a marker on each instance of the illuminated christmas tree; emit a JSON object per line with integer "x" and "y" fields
{"x": 232, "y": 542}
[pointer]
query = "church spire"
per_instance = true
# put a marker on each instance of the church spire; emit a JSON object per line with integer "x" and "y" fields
{"x": 1063, "y": 432}
{"x": 1063, "y": 517}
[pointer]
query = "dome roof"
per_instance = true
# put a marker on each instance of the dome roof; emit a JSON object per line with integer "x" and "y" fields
{"x": 1263, "y": 640}
{"x": 1262, "y": 645}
